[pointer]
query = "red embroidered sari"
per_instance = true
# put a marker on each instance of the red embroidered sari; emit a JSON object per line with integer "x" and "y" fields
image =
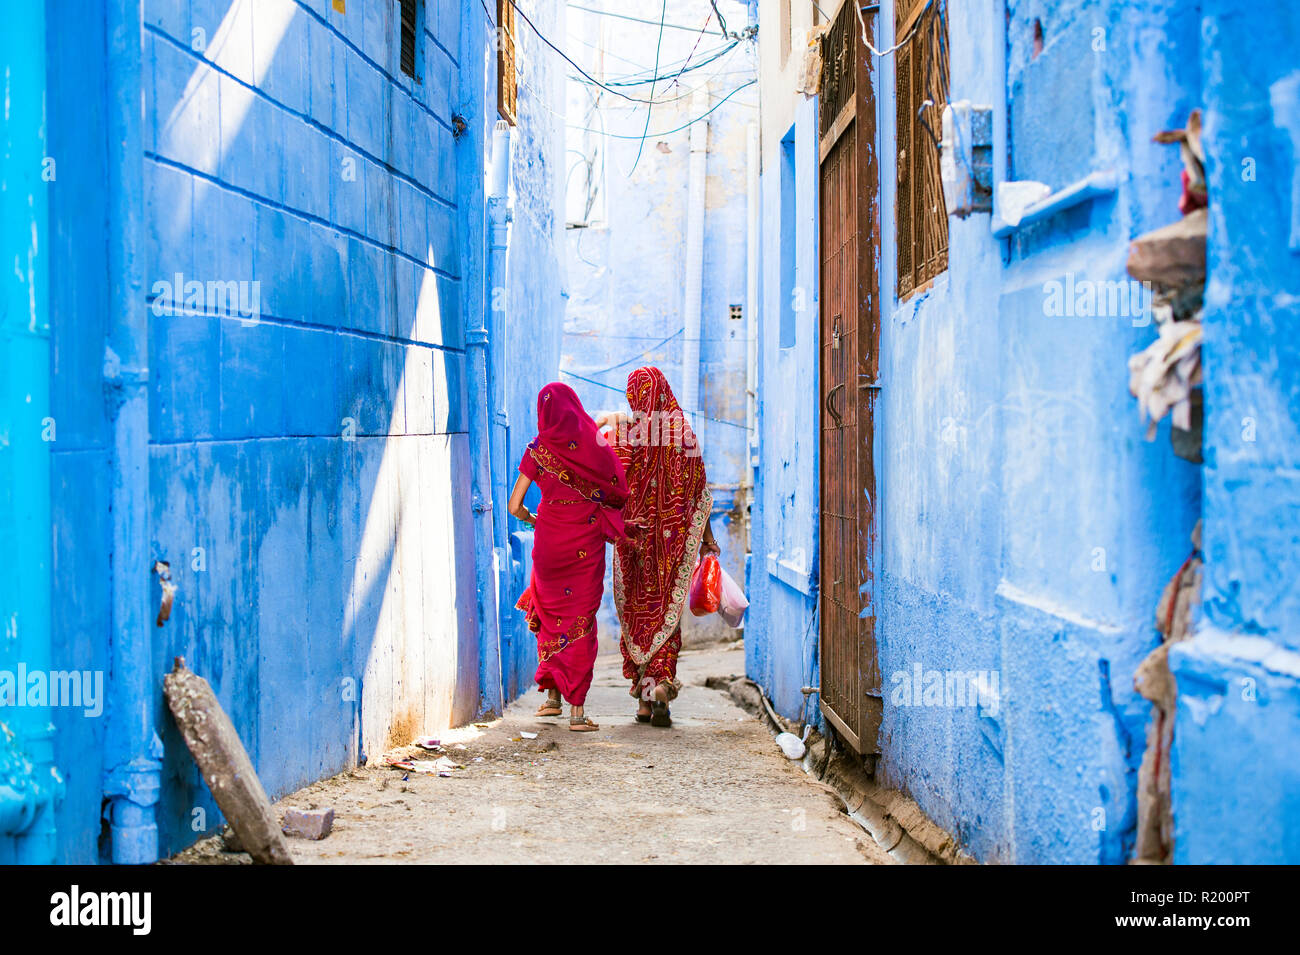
{"x": 667, "y": 510}
{"x": 583, "y": 489}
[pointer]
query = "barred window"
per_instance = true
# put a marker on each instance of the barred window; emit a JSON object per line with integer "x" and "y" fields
{"x": 507, "y": 63}
{"x": 922, "y": 93}
{"x": 410, "y": 28}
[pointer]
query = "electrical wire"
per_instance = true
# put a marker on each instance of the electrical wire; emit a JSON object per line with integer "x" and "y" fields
{"x": 711, "y": 57}
{"x": 862, "y": 22}
{"x": 542, "y": 36}
{"x": 639, "y": 355}
{"x": 663, "y": 12}
{"x": 645, "y": 338}
{"x": 623, "y": 391}
{"x": 686, "y": 94}
{"x": 624, "y": 16}
{"x": 678, "y": 129}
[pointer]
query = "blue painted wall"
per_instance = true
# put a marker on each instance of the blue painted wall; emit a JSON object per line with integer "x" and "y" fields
{"x": 309, "y": 456}
{"x": 30, "y": 787}
{"x": 535, "y": 289}
{"x": 1236, "y": 760}
{"x": 781, "y": 649}
{"x": 1027, "y": 526}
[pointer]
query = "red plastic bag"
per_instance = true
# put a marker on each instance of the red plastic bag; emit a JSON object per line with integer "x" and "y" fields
{"x": 706, "y": 586}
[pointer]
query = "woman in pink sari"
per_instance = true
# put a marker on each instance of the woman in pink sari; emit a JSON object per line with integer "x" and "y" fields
{"x": 583, "y": 490}
{"x": 668, "y": 524}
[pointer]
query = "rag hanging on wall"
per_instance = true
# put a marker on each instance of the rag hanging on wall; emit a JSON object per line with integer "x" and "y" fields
{"x": 1166, "y": 376}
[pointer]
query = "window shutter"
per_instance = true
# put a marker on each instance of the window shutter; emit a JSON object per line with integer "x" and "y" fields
{"x": 410, "y": 17}
{"x": 922, "y": 93}
{"x": 903, "y": 100}
{"x": 507, "y": 63}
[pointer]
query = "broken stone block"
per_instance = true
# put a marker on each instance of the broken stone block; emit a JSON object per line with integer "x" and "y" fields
{"x": 1172, "y": 256}
{"x": 224, "y": 763}
{"x": 309, "y": 823}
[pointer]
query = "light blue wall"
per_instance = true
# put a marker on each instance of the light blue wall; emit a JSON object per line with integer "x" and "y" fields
{"x": 309, "y": 466}
{"x": 781, "y": 644}
{"x": 1027, "y": 527}
{"x": 1236, "y": 760}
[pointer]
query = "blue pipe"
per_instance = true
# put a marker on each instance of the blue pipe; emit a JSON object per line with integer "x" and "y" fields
{"x": 30, "y": 784}
{"x": 132, "y": 747}
{"x": 499, "y": 216}
{"x": 479, "y": 413}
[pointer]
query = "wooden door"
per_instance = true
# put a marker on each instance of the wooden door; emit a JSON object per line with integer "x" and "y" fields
{"x": 850, "y": 387}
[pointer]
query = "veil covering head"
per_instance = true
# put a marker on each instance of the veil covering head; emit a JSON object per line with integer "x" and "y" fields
{"x": 665, "y": 470}
{"x": 572, "y": 448}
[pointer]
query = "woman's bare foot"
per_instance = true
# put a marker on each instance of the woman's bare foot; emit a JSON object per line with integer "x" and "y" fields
{"x": 552, "y": 706}
{"x": 579, "y": 723}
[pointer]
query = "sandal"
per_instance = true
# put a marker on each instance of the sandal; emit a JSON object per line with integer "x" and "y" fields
{"x": 660, "y": 715}
{"x": 643, "y": 717}
{"x": 551, "y": 708}
{"x": 582, "y": 724}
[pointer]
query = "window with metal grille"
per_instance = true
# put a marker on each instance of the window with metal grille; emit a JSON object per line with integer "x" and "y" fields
{"x": 839, "y": 71}
{"x": 411, "y": 10}
{"x": 921, "y": 71}
{"x": 507, "y": 62}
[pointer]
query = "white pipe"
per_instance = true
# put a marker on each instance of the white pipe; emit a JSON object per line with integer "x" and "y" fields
{"x": 695, "y": 253}
{"x": 750, "y": 478}
{"x": 751, "y": 291}
{"x": 500, "y": 182}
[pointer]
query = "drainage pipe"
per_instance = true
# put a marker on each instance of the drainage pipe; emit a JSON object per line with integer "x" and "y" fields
{"x": 751, "y": 321}
{"x": 132, "y": 748}
{"x": 499, "y": 216}
{"x": 489, "y": 560}
{"x": 694, "y": 303}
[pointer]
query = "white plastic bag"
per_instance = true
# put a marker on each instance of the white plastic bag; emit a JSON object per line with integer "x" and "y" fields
{"x": 733, "y": 604}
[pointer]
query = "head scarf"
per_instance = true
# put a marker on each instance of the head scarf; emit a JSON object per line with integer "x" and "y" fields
{"x": 569, "y": 446}
{"x": 667, "y": 477}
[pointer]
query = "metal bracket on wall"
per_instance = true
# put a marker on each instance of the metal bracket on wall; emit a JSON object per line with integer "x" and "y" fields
{"x": 1104, "y": 182}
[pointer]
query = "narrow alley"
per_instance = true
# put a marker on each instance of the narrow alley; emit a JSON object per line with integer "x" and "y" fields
{"x": 868, "y": 433}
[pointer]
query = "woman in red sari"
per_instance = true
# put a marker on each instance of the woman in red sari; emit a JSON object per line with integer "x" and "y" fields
{"x": 583, "y": 489}
{"x": 667, "y": 517}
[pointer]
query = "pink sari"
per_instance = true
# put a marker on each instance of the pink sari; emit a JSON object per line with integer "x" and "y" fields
{"x": 583, "y": 490}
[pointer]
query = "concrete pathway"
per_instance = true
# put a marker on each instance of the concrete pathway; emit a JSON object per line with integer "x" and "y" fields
{"x": 713, "y": 788}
